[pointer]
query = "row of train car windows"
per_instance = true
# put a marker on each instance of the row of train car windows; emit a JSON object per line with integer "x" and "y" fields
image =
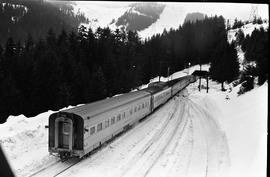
{"x": 116, "y": 118}
{"x": 162, "y": 95}
{"x": 138, "y": 107}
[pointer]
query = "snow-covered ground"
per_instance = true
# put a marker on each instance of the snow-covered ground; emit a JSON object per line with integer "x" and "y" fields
{"x": 194, "y": 134}
{"x": 25, "y": 142}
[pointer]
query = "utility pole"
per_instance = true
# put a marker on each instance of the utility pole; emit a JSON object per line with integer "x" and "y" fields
{"x": 207, "y": 84}
{"x": 159, "y": 71}
{"x": 188, "y": 67}
{"x": 168, "y": 74}
{"x": 200, "y": 78}
{"x": 254, "y": 13}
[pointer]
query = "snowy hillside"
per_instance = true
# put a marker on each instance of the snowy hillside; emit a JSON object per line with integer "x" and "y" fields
{"x": 175, "y": 13}
{"x": 139, "y": 16}
{"x": 105, "y": 14}
{"x": 100, "y": 15}
{"x": 129, "y": 16}
{"x": 171, "y": 17}
{"x": 247, "y": 30}
{"x": 227, "y": 135}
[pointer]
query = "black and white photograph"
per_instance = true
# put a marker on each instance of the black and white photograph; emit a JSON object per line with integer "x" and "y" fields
{"x": 133, "y": 88}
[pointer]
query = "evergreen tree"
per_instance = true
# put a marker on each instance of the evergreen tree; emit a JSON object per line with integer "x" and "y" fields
{"x": 240, "y": 36}
{"x": 98, "y": 87}
{"x": 224, "y": 66}
{"x": 69, "y": 68}
{"x": 256, "y": 50}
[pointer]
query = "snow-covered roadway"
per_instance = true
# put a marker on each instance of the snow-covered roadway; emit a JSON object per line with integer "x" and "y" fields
{"x": 179, "y": 139}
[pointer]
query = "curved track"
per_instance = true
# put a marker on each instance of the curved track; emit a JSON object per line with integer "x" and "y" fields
{"x": 179, "y": 139}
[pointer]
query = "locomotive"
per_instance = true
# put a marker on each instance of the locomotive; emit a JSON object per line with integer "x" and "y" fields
{"x": 77, "y": 131}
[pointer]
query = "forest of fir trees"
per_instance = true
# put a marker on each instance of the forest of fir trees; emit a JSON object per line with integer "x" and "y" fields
{"x": 82, "y": 66}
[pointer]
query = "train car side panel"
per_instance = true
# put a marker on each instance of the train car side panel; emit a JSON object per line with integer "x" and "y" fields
{"x": 106, "y": 125}
{"x": 161, "y": 97}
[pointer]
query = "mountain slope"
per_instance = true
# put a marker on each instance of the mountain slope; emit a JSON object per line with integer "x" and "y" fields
{"x": 171, "y": 17}
{"x": 139, "y": 16}
{"x": 247, "y": 30}
{"x": 135, "y": 16}
{"x": 22, "y": 17}
{"x": 99, "y": 14}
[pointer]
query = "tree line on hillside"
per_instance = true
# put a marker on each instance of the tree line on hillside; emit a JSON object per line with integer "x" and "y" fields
{"x": 256, "y": 48}
{"x": 239, "y": 23}
{"x": 20, "y": 17}
{"x": 82, "y": 66}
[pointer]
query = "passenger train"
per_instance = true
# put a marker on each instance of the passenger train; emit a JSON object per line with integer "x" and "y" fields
{"x": 77, "y": 131}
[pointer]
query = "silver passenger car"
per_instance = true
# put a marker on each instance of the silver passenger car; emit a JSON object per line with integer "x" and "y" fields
{"x": 77, "y": 131}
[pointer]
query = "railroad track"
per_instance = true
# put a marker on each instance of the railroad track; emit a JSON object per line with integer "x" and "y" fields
{"x": 56, "y": 168}
{"x": 68, "y": 167}
{"x": 44, "y": 168}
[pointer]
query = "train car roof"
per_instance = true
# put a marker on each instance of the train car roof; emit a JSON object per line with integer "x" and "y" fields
{"x": 172, "y": 82}
{"x": 153, "y": 89}
{"x": 178, "y": 79}
{"x": 92, "y": 109}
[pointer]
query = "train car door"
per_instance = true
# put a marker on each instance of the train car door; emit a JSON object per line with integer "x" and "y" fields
{"x": 152, "y": 103}
{"x": 64, "y": 133}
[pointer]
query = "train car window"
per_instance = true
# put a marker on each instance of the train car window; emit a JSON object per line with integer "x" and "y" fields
{"x": 107, "y": 122}
{"x": 112, "y": 120}
{"x": 118, "y": 117}
{"x": 124, "y": 115}
{"x": 92, "y": 130}
{"x": 130, "y": 111}
{"x": 99, "y": 127}
{"x": 135, "y": 109}
{"x": 66, "y": 127}
{"x": 139, "y": 107}
{"x": 143, "y": 105}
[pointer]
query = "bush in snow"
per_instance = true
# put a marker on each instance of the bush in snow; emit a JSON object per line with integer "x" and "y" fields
{"x": 247, "y": 79}
{"x": 257, "y": 21}
{"x": 247, "y": 85}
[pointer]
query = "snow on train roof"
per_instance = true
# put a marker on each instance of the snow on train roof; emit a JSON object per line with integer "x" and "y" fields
{"x": 98, "y": 107}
